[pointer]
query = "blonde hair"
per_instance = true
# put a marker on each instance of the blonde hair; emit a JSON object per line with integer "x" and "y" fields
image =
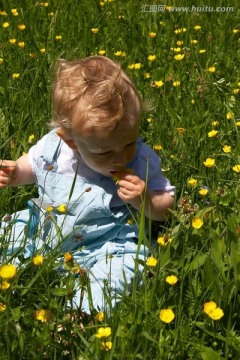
{"x": 94, "y": 87}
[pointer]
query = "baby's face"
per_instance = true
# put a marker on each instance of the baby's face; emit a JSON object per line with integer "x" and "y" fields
{"x": 109, "y": 153}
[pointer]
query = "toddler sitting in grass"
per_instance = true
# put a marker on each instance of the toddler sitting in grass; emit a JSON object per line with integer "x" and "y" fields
{"x": 92, "y": 172}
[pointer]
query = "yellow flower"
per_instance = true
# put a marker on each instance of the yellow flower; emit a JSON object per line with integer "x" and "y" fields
{"x": 68, "y": 257}
{"x": 12, "y": 41}
{"x": 229, "y": 115}
{"x": 227, "y": 149}
{"x": 100, "y": 316}
{"x": 7, "y": 271}
{"x": 37, "y": 260}
{"x": 146, "y": 75}
{"x": 193, "y": 101}
{"x": 202, "y": 51}
{"x": 181, "y": 130}
{"x": 151, "y": 261}
{"x": 149, "y": 119}
{"x": 130, "y": 221}
{"x": 106, "y": 345}
{"x": 176, "y": 83}
{"x": 212, "y": 133}
{"x": 166, "y": 315}
{"x": 159, "y": 83}
{"x": 179, "y": 57}
{"x": 62, "y": 208}
{"x": 236, "y": 168}
{"x": 5, "y": 24}
{"x": 21, "y": 27}
{"x": 152, "y": 34}
{"x": 209, "y": 162}
{"x": 203, "y": 191}
{"x": 179, "y": 42}
{"x": 58, "y": 37}
{"x": 94, "y": 30}
{"x": 49, "y": 208}
{"x": 15, "y": 75}
{"x": 101, "y": 52}
{"x": 14, "y": 12}
{"x": 215, "y": 123}
{"x": 194, "y": 42}
{"x": 197, "y": 223}
{"x": 157, "y": 147}
{"x": 137, "y": 66}
{"x": 31, "y": 138}
{"x": 171, "y": 279}
{"x": 210, "y": 308}
{"x": 42, "y": 51}
{"x": 212, "y": 69}
{"x": 151, "y": 57}
{"x": 237, "y": 123}
{"x": 45, "y": 4}
{"x": 21, "y": 44}
{"x": 197, "y": 27}
{"x": 236, "y": 91}
{"x": 235, "y": 31}
{"x": 1, "y": 61}
{"x": 2, "y": 307}
{"x": 192, "y": 182}
{"x": 178, "y": 49}
{"x": 164, "y": 240}
{"x": 103, "y": 332}
{"x": 4, "y": 285}
{"x": 43, "y": 315}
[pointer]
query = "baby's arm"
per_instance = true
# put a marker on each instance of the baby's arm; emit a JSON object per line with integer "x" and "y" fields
{"x": 132, "y": 191}
{"x": 14, "y": 173}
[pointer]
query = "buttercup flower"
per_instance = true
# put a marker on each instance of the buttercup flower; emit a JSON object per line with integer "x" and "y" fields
{"x": 21, "y": 27}
{"x": 236, "y": 91}
{"x": 15, "y": 75}
{"x": 94, "y": 30}
{"x": 12, "y": 41}
{"x": 197, "y": 223}
{"x": 147, "y": 75}
{"x": 164, "y": 240}
{"x": 42, "y": 51}
{"x": 227, "y": 149}
{"x": 210, "y": 308}
{"x": 14, "y": 12}
{"x": 178, "y": 49}
{"x": 1, "y": 61}
{"x": 21, "y": 44}
{"x": 192, "y": 182}
{"x": 212, "y": 133}
{"x": 171, "y": 279}
{"x": 152, "y": 34}
{"x": 103, "y": 332}
{"x": 158, "y": 83}
{"x": 5, "y": 24}
{"x": 179, "y": 57}
{"x": 166, "y": 315}
{"x": 100, "y": 316}
{"x": 2, "y": 307}
{"x": 176, "y": 83}
{"x": 194, "y": 42}
{"x": 229, "y": 115}
{"x": 106, "y": 345}
{"x": 215, "y": 123}
{"x": 197, "y": 27}
{"x": 68, "y": 257}
{"x": 203, "y": 191}
{"x": 62, "y": 208}
{"x": 31, "y": 138}
{"x": 43, "y": 315}
{"x": 7, "y": 271}
{"x": 202, "y": 51}
{"x": 181, "y": 130}
{"x": 157, "y": 147}
{"x": 151, "y": 57}
{"x": 4, "y": 285}
{"x": 151, "y": 261}
{"x": 58, "y": 37}
{"x": 37, "y": 260}
{"x": 236, "y": 168}
{"x": 212, "y": 69}
{"x": 179, "y": 42}
{"x": 101, "y": 52}
{"x": 49, "y": 208}
{"x": 209, "y": 162}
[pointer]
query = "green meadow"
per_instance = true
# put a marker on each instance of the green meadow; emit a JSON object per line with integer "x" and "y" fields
{"x": 185, "y": 61}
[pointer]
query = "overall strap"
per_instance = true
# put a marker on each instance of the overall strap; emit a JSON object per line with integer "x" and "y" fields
{"x": 52, "y": 147}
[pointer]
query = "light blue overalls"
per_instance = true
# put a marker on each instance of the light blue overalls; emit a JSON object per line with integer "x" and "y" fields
{"x": 97, "y": 234}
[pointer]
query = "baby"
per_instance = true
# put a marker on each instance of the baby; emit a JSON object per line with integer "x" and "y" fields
{"x": 81, "y": 208}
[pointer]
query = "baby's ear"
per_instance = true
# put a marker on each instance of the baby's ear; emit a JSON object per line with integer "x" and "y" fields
{"x": 66, "y": 138}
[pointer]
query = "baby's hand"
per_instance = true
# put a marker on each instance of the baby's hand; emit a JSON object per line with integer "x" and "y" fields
{"x": 131, "y": 189}
{"x": 7, "y": 168}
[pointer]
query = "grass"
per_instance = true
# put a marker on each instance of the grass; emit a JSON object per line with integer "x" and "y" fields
{"x": 198, "y": 93}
